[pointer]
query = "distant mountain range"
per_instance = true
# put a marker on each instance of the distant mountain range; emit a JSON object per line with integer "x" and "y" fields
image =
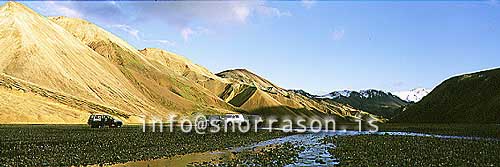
{"x": 372, "y": 101}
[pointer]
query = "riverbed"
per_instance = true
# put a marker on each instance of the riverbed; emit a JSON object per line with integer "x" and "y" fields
{"x": 315, "y": 152}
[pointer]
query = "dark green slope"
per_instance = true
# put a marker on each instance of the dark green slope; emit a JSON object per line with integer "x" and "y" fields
{"x": 372, "y": 101}
{"x": 469, "y": 98}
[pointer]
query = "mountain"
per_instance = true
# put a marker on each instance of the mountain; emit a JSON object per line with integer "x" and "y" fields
{"x": 60, "y": 70}
{"x": 372, "y": 101}
{"x": 413, "y": 95}
{"x": 169, "y": 91}
{"x": 304, "y": 93}
{"x": 257, "y": 95}
{"x": 41, "y": 58}
{"x": 223, "y": 92}
{"x": 75, "y": 65}
{"x": 186, "y": 68}
{"x": 469, "y": 98}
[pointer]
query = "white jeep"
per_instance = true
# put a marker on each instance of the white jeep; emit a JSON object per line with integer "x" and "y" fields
{"x": 233, "y": 119}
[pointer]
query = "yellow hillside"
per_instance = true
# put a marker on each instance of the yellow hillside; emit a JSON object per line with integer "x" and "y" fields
{"x": 36, "y": 50}
{"x": 21, "y": 107}
{"x": 60, "y": 70}
{"x": 164, "y": 85}
{"x": 184, "y": 67}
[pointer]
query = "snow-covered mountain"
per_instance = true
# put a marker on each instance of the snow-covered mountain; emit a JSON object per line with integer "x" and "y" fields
{"x": 336, "y": 94}
{"x": 413, "y": 95}
{"x": 376, "y": 102}
{"x": 362, "y": 94}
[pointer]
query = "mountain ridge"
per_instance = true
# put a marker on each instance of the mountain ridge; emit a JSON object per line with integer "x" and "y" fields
{"x": 373, "y": 101}
{"x": 467, "y": 98}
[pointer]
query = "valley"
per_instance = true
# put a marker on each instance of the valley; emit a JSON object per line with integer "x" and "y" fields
{"x": 58, "y": 72}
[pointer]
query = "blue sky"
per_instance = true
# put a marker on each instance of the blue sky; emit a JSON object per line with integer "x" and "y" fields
{"x": 318, "y": 46}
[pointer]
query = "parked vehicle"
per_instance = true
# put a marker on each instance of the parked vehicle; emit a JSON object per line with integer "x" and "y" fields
{"x": 233, "y": 119}
{"x": 103, "y": 120}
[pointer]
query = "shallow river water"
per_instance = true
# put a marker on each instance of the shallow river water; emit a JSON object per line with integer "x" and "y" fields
{"x": 315, "y": 152}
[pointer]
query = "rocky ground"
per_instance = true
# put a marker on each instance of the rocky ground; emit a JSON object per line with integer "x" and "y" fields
{"x": 77, "y": 145}
{"x": 384, "y": 150}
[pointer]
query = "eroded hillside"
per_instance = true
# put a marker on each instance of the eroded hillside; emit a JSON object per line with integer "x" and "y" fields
{"x": 60, "y": 70}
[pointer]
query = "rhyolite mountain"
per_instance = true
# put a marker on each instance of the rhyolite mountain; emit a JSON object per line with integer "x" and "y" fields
{"x": 469, "y": 98}
{"x": 49, "y": 67}
{"x": 185, "y": 73}
{"x": 60, "y": 70}
{"x": 163, "y": 86}
{"x": 373, "y": 101}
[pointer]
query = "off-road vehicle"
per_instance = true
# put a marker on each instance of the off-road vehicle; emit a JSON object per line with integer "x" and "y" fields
{"x": 233, "y": 119}
{"x": 103, "y": 120}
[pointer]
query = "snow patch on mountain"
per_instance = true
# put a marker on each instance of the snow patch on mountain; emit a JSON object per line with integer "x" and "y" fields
{"x": 345, "y": 93}
{"x": 413, "y": 95}
{"x": 362, "y": 93}
{"x": 336, "y": 94}
{"x": 372, "y": 92}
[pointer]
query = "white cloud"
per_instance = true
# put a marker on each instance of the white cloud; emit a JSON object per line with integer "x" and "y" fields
{"x": 69, "y": 12}
{"x": 175, "y": 13}
{"x": 211, "y": 14}
{"x": 104, "y": 12}
{"x": 131, "y": 31}
{"x": 337, "y": 34}
{"x": 53, "y": 8}
{"x": 271, "y": 11}
{"x": 180, "y": 15}
{"x": 160, "y": 41}
{"x": 137, "y": 35}
{"x": 241, "y": 13}
{"x": 187, "y": 32}
{"x": 308, "y": 4}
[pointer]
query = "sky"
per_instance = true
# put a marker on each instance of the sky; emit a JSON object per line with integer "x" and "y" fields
{"x": 317, "y": 46}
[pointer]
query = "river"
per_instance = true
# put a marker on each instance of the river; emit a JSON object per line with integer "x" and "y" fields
{"x": 315, "y": 152}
